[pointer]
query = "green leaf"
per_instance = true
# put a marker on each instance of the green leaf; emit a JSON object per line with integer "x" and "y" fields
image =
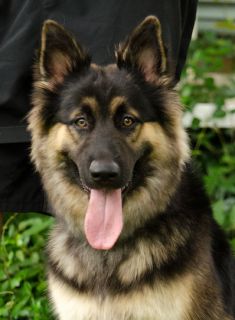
{"x": 20, "y": 255}
{"x": 209, "y": 82}
{"x": 195, "y": 123}
{"x": 37, "y": 228}
{"x": 232, "y": 242}
{"x": 15, "y": 282}
{"x": 219, "y": 114}
{"x": 232, "y": 217}
{"x": 218, "y": 211}
{"x": 3, "y": 312}
{"x": 18, "y": 306}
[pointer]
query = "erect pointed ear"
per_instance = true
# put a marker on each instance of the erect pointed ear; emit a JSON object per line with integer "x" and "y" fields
{"x": 59, "y": 53}
{"x": 144, "y": 50}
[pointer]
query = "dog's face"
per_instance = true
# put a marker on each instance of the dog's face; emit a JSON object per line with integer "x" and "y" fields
{"x": 107, "y": 141}
{"x": 102, "y": 114}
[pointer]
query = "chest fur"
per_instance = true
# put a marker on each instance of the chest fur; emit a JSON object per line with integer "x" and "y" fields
{"x": 161, "y": 301}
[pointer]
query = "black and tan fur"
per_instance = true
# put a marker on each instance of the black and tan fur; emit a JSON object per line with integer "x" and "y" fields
{"x": 171, "y": 261}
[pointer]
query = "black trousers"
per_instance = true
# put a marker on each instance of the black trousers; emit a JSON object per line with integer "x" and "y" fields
{"x": 99, "y": 25}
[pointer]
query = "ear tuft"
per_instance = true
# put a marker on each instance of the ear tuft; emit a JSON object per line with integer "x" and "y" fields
{"x": 60, "y": 54}
{"x": 144, "y": 50}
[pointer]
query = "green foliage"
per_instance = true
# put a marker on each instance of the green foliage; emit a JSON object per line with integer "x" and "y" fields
{"x": 213, "y": 149}
{"x": 22, "y": 272}
{"x": 228, "y": 24}
{"x": 207, "y": 55}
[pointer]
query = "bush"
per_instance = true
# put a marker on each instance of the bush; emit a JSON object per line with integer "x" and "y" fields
{"x": 22, "y": 272}
{"x": 207, "y": 55}
{"x": 214, "y": 148}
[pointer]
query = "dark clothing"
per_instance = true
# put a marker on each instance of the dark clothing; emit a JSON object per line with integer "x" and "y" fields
{"x": 98, "y": 25}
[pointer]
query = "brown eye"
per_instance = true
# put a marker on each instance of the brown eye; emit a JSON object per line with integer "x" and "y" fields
{"x": 128, "y": 121}
{"x": 81, "y": 123}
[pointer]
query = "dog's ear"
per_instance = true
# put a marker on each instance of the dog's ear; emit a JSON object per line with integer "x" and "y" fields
{"x": 59, "y": 53}
{"x": 144, "y": 50}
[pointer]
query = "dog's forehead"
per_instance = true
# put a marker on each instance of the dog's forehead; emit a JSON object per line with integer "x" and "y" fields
{"x": 103, "y": 89}
{"x": 111, "y": 82}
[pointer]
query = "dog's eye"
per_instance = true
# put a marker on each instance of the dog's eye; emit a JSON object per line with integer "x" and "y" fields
{"x": 81, "y": 123}
{"x": 127, "y": 121}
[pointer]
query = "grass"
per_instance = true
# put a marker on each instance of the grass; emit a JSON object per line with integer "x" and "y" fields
{"x": 23, "y": 273}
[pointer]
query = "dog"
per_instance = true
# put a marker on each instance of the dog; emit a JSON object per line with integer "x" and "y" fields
{"x": 134, "y": 236}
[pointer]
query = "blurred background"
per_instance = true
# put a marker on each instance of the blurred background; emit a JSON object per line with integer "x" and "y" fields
{"x": 207, "y": 91}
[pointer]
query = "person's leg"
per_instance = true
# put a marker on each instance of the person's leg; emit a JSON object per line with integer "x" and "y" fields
{"x": 20, "y": 188}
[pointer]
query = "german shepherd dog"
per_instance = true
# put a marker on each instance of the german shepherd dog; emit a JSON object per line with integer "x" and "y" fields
{"x": 134, "y": 236}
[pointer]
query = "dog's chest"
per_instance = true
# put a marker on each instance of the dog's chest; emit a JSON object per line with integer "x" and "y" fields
{"x": 163, "y": 302}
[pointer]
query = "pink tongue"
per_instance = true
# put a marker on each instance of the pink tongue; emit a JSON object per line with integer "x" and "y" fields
{"x": 103, "y": 221}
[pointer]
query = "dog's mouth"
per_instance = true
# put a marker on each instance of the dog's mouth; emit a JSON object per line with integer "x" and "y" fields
{"x": 104, "y": 218}
{"x": 86, "y": 189}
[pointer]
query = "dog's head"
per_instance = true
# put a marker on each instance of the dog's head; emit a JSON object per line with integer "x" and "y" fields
{"x": 107, "y": 141}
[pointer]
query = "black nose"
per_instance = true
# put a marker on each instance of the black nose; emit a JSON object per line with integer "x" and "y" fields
{"x": 103, "y": 170}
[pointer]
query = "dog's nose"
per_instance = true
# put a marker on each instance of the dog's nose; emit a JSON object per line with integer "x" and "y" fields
{"x": 103, "y": 170}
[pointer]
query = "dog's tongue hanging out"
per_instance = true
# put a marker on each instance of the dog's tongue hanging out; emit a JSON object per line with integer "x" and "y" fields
{"x": 103, "y": 221}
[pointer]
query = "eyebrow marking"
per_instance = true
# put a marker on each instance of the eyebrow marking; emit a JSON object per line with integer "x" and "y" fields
{"x": 118, "y": 101}
{"x": 91, "y": 102}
